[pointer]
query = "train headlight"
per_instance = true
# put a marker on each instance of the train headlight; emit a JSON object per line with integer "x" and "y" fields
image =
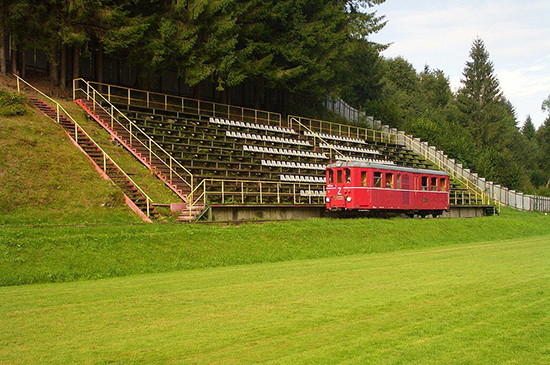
{"x": 327, "y": 199}
{"x": 348, "y": 199}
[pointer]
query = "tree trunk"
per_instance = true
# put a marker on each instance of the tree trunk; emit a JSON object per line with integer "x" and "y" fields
{"x": 76, "y": 62}
{"x": 226, "y": 96}
{"x": 3, "y": 69}
{"x": 54, "y": 65}
{"x": 23, "y": 63}
{"x": 197, "y": 91}
{"x": 63, "y": 67}
{"x": 99, "y": 64}
{"x": 258, "y": 93}
{"x": 14, "y": 60}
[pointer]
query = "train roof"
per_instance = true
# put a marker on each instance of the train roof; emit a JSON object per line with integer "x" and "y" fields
{"x": 385, "y": 167}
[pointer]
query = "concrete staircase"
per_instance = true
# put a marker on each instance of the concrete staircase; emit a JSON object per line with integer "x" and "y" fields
{"x": 160, "y": 166}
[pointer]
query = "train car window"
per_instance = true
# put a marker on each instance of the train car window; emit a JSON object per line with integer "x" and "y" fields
{"x": 389, "y": 181}
{"x": 348, "y": 176}
{"x": 338, "y": 176}
{"x": 424, "y": 183}
{"x": 331, "y": 176}
{"x": 433, "y": 184}
{"x": 398, "y": 182}
{"x": 443, "y": 183}
{"x": 363, "y": 178}
{"x": 377, "y": 179}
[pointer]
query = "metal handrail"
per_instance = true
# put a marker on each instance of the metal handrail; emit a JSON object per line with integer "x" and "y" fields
{"x": 443, "y": 164}
{"x": 106, "y": 156}
{"x": 262, "y": 185}
{"x": 201, "y": 105}
{"x": 151, "y": 142}
{"x": 347, "y": 130}
{"x": 316, "y": 135}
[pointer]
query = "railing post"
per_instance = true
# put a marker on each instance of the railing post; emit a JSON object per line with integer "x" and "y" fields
{"x": 150, "y": 155}
{"x": 171, "y": 158}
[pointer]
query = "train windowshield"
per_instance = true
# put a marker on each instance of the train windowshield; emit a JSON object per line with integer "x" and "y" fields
{"x": 338, "y": 176}
{"x": 443, "y": 183}
{"x": 364, "y": 180}
{"x": 433, "y": 186}
{"x": 348, "y": 175}
{"x": 389, "y": 181}
{"x": 424, "y": 183}
{"x": 331, "y": 176}
{"x": 377, "y": 179}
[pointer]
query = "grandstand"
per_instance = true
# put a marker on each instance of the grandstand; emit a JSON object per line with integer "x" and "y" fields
{"x": 227, "y": 162}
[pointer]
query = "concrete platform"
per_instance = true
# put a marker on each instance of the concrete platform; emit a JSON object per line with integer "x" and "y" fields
{"x": 238, "y": 212}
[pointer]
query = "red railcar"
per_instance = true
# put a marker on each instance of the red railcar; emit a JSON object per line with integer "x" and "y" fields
{"x": 367, "y": 187}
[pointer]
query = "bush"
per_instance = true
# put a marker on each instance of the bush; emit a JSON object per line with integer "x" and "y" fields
{"x": 11, "y": 104}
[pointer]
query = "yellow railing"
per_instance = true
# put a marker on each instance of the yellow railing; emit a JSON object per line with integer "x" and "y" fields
{"x": 443, "y": 164}
{"x": 259, "y": 192}
{"x": 136, "y": 134}
{"x": 148, "y": 99}
{"x": 106, "y": 158}
{"x": 294, "y": 121}
{"x": 346, "y": 130}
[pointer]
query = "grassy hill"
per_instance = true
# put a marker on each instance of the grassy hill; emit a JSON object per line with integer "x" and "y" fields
{"x": 45, "y": 179}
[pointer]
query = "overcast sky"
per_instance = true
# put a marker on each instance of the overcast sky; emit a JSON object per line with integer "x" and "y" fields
{"x": 440, "y": 34}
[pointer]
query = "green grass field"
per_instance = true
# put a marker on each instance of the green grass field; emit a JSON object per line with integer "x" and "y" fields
{"x": 485, "y": 303}
{"x": 60, "y": 254}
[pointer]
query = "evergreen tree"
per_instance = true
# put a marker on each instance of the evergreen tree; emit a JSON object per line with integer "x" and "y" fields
{"x": 528, "y": 130}
{"x": 480, "y": 95}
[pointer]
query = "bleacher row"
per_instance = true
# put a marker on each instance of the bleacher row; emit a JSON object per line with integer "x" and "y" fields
{"x": 248, "y": 125}
{"x": 293, "y": 165}
{"x": 335, "y": 138}
{"x": 303, "y": 179}
{"x": 361, "y": 159}
{"x": 266, "y": 138}
{"x": 283, "y": 151}
{"x": 350, "y": 149}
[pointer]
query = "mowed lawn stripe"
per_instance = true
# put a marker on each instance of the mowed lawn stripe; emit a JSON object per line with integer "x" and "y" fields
{"x": 483, "y": 303}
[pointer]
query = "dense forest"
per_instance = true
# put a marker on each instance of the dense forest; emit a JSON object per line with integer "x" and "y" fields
{"x": 300, "y": 50}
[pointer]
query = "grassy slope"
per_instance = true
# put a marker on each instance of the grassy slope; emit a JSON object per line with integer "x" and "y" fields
{"x": 55, "y": 254}
{"x": 46, "y": 180}
{"x": 485, "y": 304}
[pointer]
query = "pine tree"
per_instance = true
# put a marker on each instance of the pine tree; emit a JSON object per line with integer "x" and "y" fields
{"x": 480, "y": 96}
{"x": 528, "y": 130}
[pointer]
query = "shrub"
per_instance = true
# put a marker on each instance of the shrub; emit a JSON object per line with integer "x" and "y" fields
{"x": 11, "y": 104}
